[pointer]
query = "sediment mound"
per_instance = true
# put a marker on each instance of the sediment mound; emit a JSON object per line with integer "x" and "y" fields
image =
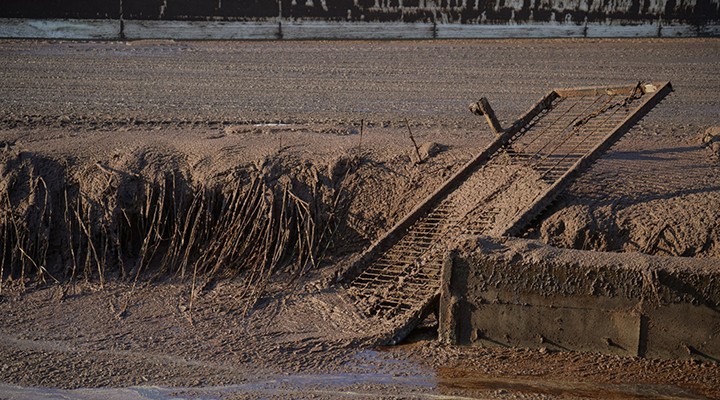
{"x": 686, "y": 226}
{"x": 148, "y": 214}
{"x": 711, "y": 139}
{"x": 121, "y": 205}
{"x": 196, "y": 206}
{"x": 658, "y": 197}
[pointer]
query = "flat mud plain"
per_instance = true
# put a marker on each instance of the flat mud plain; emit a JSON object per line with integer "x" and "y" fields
{"x": 288, "y": 108}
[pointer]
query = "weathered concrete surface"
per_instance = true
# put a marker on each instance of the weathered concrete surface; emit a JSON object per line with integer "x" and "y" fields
{"x": 363, "y": 19}
{"x": 522, "y": 293}
{"x": 108, "y": 29}
{"x": 436, "y": 11}
{"x": 200, "y": 30}
{"x": 76, "y": 29}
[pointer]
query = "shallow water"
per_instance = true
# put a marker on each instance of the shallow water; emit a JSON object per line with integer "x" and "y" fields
{"x": 293, "y": 386}
{"x": 550, "y": 388}
{"x": 367, "y": 385}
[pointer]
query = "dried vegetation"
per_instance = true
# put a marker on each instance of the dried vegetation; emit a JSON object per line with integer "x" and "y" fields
{"x": 105, "y": 223}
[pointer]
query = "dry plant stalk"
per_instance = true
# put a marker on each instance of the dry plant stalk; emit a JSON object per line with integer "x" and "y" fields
{"x": 362, "y": 125}
{"x": 415, "y": 145}
{"x": 245, "y": 228}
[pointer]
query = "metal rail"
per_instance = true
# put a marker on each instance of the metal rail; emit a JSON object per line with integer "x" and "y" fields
{"x": 497, "y": 193}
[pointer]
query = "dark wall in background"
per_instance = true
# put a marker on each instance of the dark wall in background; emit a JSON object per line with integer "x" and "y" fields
{"x": 463, "y": 11}
{"x": 60, "y": 9}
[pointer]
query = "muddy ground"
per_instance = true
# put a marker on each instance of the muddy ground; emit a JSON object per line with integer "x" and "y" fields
{"x": 81, "y": 111}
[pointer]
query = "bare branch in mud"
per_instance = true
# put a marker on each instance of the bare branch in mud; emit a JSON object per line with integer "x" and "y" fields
{"x": 86, "y": 229}
{"x": 71, "y": 246}
{"x": 244, "y": 227}
{"x": 415, "y": 145}
{"x": 104, "y": 169}
{"x": 362, "y": 125}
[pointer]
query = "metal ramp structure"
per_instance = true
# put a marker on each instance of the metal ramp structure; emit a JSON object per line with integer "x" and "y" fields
{"x": 497, "y": 193}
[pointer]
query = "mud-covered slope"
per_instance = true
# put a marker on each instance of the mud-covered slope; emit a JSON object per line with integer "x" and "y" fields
{"x": 652, "y": 195}
{"x": 123, "y": 120}
{"x": 200, "y": 204}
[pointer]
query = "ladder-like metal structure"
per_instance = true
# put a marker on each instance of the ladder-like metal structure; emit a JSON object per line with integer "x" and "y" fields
{"x": 497, "y": 193}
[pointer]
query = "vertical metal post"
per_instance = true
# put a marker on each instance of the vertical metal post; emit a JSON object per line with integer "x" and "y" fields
{"x": 122, "y": 22}
{"x": 280, "y": 16}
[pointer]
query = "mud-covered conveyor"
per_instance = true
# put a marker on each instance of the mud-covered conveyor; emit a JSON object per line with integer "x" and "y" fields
{"x": 497, "y": 193}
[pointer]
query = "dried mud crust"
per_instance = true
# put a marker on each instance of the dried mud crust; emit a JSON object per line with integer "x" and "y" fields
{"x": 113, "y": 85}
{"x": 87, "y": 198}
{"x": 291, "y": 111}
{"x": 657, "y": 196}
{"x": 69, "y": 336}
{"x": 128, "y": 103}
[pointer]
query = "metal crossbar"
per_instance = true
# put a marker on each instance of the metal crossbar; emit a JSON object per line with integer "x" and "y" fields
{"x": 497, "y": 193}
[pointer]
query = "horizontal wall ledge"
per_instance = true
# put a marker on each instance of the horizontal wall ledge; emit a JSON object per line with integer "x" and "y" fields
{"x": 201, "y": 30}
{"x": 523, "y": 293}
{"x": 356, "y": 30}
{"x": 75, "y": 29}
{"x": 274, "y": 29}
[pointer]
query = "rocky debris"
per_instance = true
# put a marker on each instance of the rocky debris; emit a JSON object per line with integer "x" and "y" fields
{"x": 711, "y": 139}
{"x": 430, "y": 149}
{"x": 5, "y": 146}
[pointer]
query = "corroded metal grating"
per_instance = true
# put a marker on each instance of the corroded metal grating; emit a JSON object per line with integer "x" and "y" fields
{"x": 497, "y": 193}
{"x": 567, "y": 130}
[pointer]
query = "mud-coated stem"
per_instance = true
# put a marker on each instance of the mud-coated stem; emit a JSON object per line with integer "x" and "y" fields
{"x": 482, "y": 107}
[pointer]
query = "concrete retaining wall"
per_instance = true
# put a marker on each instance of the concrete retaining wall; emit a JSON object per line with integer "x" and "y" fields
{"x": 106, "y": 29}
{"x": 356, "y": 19}
{"x": 525, "y": 294}
{"x": 435, "y": 11}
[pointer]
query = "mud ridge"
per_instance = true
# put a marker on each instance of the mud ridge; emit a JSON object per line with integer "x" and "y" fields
{"x": 122, "y": 219}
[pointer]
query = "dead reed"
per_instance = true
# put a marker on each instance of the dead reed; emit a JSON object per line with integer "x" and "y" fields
{"x": 147, "y": 229}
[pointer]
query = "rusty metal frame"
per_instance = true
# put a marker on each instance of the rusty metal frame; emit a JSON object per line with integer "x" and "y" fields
{"x": 396, "y": 232}
{"x": 504, "y": 139}
{"x": 658, "y": 92}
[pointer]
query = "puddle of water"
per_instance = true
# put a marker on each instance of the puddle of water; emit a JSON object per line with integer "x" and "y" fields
{"x": 375, "y": 374}
{"x": 365, "y": 385}
{"x": 370, "y": 374}
{"x": 361, "y": 385}
{"x": 13, "y": 392}
{"x": 374, "y": 361}
{"x": 453, "y": 380}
